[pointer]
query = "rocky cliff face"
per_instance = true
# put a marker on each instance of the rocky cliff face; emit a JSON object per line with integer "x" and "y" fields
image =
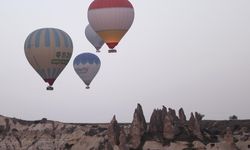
{"x": 165, "y": 131}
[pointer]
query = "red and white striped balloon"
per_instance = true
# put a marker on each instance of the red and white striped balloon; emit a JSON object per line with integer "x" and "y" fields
{"x": 111, "y": 19}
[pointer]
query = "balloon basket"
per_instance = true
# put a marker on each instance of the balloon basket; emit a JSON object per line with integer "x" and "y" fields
{"x": 50, "y": 88}
{"x": 98, "y": 51}
{"x": 112, "y": 51}
{"x": 87, "y": 87}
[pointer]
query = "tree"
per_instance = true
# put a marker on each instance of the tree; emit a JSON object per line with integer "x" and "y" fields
{"x": 233, "y": 117}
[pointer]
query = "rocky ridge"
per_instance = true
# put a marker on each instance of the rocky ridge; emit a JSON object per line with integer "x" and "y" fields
{"x": 165, "y": 131}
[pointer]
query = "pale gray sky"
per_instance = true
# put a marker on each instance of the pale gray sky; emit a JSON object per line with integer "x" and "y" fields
{"x": 193, "y": 54}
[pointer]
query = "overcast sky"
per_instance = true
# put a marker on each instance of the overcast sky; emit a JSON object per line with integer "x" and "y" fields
{"x": 193, "y": 54}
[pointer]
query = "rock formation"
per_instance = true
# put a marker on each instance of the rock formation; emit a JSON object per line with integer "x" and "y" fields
{"x": 198, "y": 116}
{"x": 194, "y": 126}
{"x": 19, "y": 135}
{"x": 197, "y": 145}
{"x": 176, "y": 133}
{"x": 114, "y": 132}
{"x": 182, "y": 116}
{"x": 123, "y": 140}
{"x": 228, "y": 137}
{"x": 228, "y": 142}
{"x": 164, "y": 112}
{"x": 172, "y": 115}
{"x": 138, "y": 128}
{"x": 168, "y": 128}
{"x": 156, "y": 122}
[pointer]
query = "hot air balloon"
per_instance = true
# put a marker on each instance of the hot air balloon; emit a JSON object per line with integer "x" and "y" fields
{"x": 111, "y": 19}
{"x": 48, "y": 51}
{"x": 87, "y": 65}
{"x": 93, "y": 38}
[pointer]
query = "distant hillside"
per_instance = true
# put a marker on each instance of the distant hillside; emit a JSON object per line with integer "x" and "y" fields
{"x": 165, "y": 131}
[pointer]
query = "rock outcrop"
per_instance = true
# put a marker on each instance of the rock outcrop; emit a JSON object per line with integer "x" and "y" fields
{"x": 172, "y": 115}
{"x": 175, "y": 133}
{"x": 182, "y": 116}
{"x": 28, "y": 135}
{"x": 168, "y": 128}
{"x": 194, "y": 126}
{"x": 156, "y": 123}
{"x": 114, "y": 132}
{"x": 138, "y": 128}
{"x": 123, "y": 140}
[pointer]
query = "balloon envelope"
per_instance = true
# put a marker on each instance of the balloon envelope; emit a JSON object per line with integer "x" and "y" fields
{"x": 86, "y": 65}
{"x": 93, "y": 38}
{"x": 111, "y": 19}
{"x": 48, "y": 51}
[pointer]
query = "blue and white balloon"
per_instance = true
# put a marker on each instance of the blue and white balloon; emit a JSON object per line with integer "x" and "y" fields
{"x": 86, "y": 65}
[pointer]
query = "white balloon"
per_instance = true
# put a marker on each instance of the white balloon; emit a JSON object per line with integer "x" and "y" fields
{"x": 93, "y": 38}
